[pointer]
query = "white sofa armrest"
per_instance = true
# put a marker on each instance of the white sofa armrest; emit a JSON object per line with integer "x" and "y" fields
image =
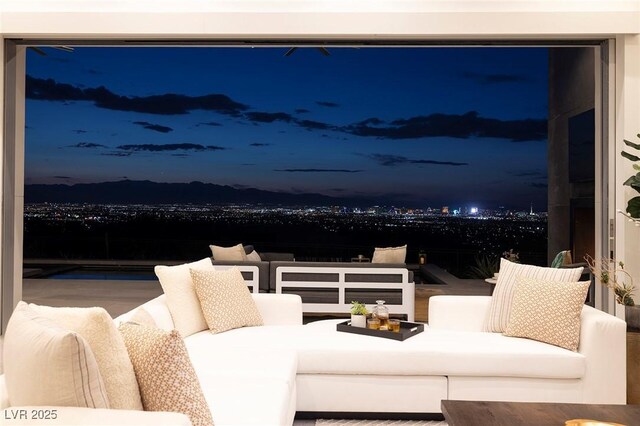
{"x": 603, "y": 342}
{"x": 76, "y": 416}
{"x": 158, "y": 310}
{"x": 458, "y": 313}
{"x": 279, "y": 309}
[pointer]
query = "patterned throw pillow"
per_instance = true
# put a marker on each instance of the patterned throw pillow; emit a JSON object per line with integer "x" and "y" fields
{"x": 225, "y": 299}
{"x": 500, "y": 308}
{"x": 164, "y": 372}
{"x": 547, "y": 311}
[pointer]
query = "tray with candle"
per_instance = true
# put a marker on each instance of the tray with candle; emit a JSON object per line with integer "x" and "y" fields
{"x": 407, "y": 330}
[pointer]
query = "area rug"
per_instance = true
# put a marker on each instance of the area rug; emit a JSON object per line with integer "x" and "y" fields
{"x": 323, "y": 422}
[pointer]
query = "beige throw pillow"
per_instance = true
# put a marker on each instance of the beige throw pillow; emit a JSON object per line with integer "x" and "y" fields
{"x": 226, "y": 300}
{"x": 389, "y": 254}
{"x": 46, "y": 364}
{"x": 229, "y": 253}
{"x": 254, "y": 257}
{"x": 181, "y": 296}
{"x": 547, "y": 311}
{"x": 96, "y": 326}
{"x": 500, "y": 307}
{"x": 165, "y": 374}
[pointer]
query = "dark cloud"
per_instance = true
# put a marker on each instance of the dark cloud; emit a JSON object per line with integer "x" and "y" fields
{"x": 328, "y": 104}
{"x": 209, "y": 123}
{"x": 494, "y": 78}
{"x": 92, "y": 71}
{"x": 240, "y": 186}
{"x": 87, "y": 145}
{"x": 180, "y": 155}
{"x": 117, "y": 154}
{"x": 373, "y": 121}
{"x": 301, "y": 111}
{"x": 169, "y": 147}
{"x": 154, "y": 127}
{"x": 268, "y": 117}
{"x": 317, "y": 170}
{"x": 62, "y": 177}
{"x": 79, "y": 131}
{"x": 259, "y": 144}
{"x": 338, "y": 189}
{"x": 394, "y": 160}
{"x": 456, "y": 126}
{"x": 164, "y": 104}
{"x": 315, "y": 125}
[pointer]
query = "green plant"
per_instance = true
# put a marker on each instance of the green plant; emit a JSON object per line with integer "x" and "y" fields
{"x": 614, "y": 277}
{"x": 633, "y": 205}
{"x": 485, "y": 266}
{"x": 358, "y": 308}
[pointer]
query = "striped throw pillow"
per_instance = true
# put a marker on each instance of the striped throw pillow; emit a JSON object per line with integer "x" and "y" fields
{"x": 501, "y": 301}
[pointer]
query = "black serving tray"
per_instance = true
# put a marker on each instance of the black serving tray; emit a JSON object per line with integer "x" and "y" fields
{"x": 407, "y": 329}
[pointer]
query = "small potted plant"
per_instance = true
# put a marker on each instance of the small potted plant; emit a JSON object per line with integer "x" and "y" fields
{"x": 615, "y": 277}
{"x": 358, "y": 315}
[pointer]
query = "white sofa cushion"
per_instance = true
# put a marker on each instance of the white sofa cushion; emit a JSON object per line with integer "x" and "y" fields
{"x": 46, "y": 364}
{"x": 547, "y": 311}
{"x": 323, "y": 350}
{"x": 167, "y": 379}
{"x": 96, "y": 326}
{"x": 225, "y": 299}
{"x": 181, "y": 295}
{"x": 500, "y": 309}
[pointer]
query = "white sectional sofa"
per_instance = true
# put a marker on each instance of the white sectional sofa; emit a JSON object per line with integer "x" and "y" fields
{"x": 263, "y": 375}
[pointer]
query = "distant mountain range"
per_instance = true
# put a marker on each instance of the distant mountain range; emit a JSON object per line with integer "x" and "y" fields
{"x": 147, "y": 192}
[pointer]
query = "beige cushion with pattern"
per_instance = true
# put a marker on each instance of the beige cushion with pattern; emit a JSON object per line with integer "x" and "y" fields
{"x": 46, "y": 364}
{"x": 254, "y": 257}
{"x": 225, "y": 299}
{"x": 229, "y": 253}
{"x": 167, "y": 379}
{"x": 547, "y": 311}
{"x": 389, "y": 254}
{"x": 500, "y": 308}
{"x": 181, "y": 296}
{"x": 96, "y": 326}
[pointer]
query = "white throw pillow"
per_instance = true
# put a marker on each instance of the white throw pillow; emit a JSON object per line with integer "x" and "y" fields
{"x": 226, "y": 300}
{"x": 182, "y": 300}
{"x": 229, "y": 253}
{"x": 389, "y": 254}
{"x": 500, "y": 308}
{"x": 46, "y": 364}
{"x": 254, "y": 257}
{"x": 96, "y": 326}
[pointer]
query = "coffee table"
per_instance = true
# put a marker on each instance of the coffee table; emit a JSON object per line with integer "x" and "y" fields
{"x": 468, "y": 413}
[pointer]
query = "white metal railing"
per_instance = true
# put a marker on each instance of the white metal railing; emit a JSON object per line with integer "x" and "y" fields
{"x": 407, "y": 307}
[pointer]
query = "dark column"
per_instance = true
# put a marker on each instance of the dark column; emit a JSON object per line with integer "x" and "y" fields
{"x": 570, "y": 155}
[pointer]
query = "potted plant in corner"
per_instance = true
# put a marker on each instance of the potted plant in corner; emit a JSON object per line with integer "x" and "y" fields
{"x": 358, "y": 315}
{"x": 615, "y": 277}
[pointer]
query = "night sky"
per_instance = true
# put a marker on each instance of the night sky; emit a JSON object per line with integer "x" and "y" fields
{"x": 414, "y": 126}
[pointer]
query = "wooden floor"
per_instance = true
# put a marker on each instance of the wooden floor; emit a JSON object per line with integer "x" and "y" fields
{"x": 118, "y": 297}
